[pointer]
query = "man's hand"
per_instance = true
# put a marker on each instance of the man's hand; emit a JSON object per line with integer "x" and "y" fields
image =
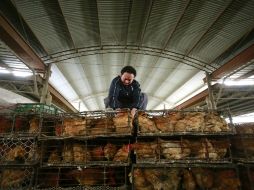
{"x": 133, "y": 112}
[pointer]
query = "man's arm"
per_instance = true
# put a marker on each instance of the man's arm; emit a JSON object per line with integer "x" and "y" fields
{"x": 114, "y": 93}
{"x": 137, "y": 96}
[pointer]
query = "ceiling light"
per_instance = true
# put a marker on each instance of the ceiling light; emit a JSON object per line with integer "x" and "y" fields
{"x": 242, "y": 82}
{"x": 246, "y": 118}
{"x": 22, "y": 73}
{"x": 4, "y": 70}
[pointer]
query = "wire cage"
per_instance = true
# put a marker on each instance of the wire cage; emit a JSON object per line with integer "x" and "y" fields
{"x": 87, "y": 125}
{"x": 16, "y": 178}
{"x": 19, "y": 151}
{"x": 246, "y": 174}
{"x": 184, "y": 122}
{"x": 182, "y": 150}
{"x": 243, "y": 148}
{"x": 94, "y": 178}
{"x": 198, "y": 177}
{"x": 73, "y": 152}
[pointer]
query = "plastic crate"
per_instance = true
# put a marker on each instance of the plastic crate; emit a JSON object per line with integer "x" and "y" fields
{"x": 36, "y": 108}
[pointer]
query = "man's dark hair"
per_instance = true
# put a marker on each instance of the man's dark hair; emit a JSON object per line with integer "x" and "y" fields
{"x": 129, "y": 69}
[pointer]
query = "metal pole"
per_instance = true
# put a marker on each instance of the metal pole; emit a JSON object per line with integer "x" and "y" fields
{"x": 211, "y": 104}
{"x": 45, "y": 85}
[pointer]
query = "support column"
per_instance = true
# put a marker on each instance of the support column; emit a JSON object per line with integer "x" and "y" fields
{"x": 45, "y": 94}
{"x": 210, "y": 100}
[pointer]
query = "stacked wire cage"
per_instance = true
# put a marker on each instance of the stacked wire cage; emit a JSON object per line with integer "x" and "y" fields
{"x": 186, "y": 138}
{"x": 19, "y": 149}
{"x": 87, "y": 150}
{"x": 243, "y": 153}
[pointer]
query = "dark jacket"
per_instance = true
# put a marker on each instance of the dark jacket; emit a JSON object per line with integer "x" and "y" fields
{"x": 124, "y": 96}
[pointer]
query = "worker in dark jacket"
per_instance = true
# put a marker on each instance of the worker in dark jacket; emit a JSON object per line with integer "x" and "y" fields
{"x": 125, "y": 92}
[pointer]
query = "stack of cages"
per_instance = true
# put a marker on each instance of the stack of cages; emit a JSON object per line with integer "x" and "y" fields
{"x": 87, "y": 150}
{"x": 183, "y": 137}
{"x": 173, "y": 136}
{"x": 243, "y": 153}
{"x": 19, "y": 148}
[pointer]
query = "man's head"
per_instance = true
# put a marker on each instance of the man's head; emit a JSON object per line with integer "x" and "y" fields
{"x": 128, "y": 73}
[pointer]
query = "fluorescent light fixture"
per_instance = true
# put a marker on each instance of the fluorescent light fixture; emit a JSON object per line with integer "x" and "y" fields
{"x": 22, "y": 73}
{"x": 246, "y": 118}
{"x": 4, "y": 70}
{"x": 242, "y": 82}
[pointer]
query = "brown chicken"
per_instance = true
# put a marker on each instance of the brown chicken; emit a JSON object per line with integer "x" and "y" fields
{"x": 226, "y": 179}
{"x": 146, "y": 150}
{"x": 214, "y": 123}
{"x": 188, "y": 180}
{"x": 12, "y": 178}
{"x": 34, "y": 125}
{"x": 80, "y": 154}
{"x": 146, "y": 125}
{"x": 140, "y": 182}
{"x": 97, "y": 153}
{"x": 123, "y": 122}
{"x": 54, "y": 157}
{"x": 109, "y": 151}
{"x": 155, "y": 177}
{"x": 88, "y": 176}
{"x": 163, "y": 124}
{"x": 67, "y": 153}
{"x": 100, "y": 126}
{"x": 193, "y": 121}
{"x": 172, "y": 179}
{"x": 174, "y": 149}
{"x": 122, "y": 154}
{"x": 74, "y": 126}
{"x": 204, "y": 177}
{"x": 16, "y": 154}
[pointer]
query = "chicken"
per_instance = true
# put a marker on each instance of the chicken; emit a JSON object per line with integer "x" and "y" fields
{"x": 16, "y": 154}
{"x": 88, "y": 176}
{"x": 154, "y": 176}
{"x": 163, "y": 124}
{"x": 198, "y": 149}
{"x": 80, "y": 155}
{"x": 204, "y": 177}
{"x": 97, "y": 153}
{"x": 13, "y": 178}
{"x": 109, "y": 151}
{"x": 67, "y": 153}
{"x": 193, "y": 121}
{"x": 172, "y": 180}
{"x": 188, "y": 180}
{"x": 100, "y": 126}
{"x": 74, "y": 126}
{"x": 53, "y": 157}
{"x": 146, "y": 125}
{"x": 174, "y": 149}
{"x": 34, "y": 125}
{"x": 122, "y": 154}
{"x": 226, "y": 179}
{"x": 123, "y": 122}
{"x": 214, "y": 123}
{"x": 140, "y": 182}
{"x": 146, "y": 150}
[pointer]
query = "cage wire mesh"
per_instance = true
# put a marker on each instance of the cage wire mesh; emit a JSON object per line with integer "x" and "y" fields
{"x": 19, "y": 151}
{"x": 70, "y": 152}
{"x": 184, "y": 122}
{"x": 16, "y": 178}
{"x": 83, "y": 178}
{"x": 181, "y": 150}
{"x": 185, "y": 176}
{"x": 87, "y": 124}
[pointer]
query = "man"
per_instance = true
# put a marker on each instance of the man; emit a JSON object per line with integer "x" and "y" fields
{"x": 125, "y": 92}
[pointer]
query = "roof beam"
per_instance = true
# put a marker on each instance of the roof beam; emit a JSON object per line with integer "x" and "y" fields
{"x": 15, "y": 41}
{"x": 239, "y": 60}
